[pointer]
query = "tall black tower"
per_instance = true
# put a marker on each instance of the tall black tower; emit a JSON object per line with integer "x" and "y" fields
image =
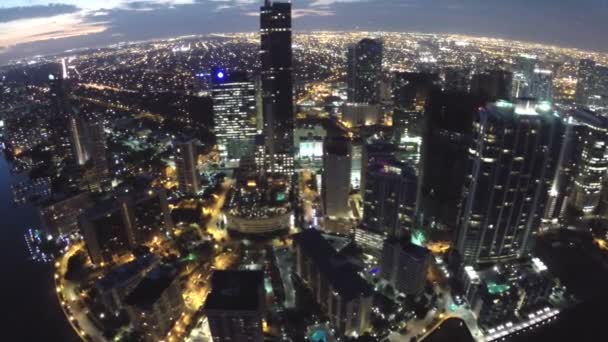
{"x": 277, "y": 84}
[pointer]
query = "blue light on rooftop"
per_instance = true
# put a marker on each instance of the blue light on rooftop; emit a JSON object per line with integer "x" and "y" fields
{"x": 220, "y": 74}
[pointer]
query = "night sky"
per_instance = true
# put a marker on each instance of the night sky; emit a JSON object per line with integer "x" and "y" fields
{"x": 29, "y": 27}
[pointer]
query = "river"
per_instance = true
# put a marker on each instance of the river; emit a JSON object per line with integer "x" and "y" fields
{"x": 30, "y": 310}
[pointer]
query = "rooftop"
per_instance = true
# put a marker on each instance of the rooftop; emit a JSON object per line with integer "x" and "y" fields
{"x": 151, "y": 288}
{"x": 235, "y": 290}
{"x": 450, "y": 330}
{"x": 124, "y": 273}
{"x": 333, "y": 266}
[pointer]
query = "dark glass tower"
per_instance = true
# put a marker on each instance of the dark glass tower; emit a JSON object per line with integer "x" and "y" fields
{"x": 512, "y": 159}
{"x": 277, "y": 84}
{"x": 364, "y": 70}
{"x": 61, "y": 112}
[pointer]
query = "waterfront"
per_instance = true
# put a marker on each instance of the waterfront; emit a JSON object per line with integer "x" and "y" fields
{"x": 31, "y": 310}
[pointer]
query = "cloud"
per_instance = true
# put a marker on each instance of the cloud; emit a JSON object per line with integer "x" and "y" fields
{"x": 24, "y": 31}
{"x": 17, "y": 13}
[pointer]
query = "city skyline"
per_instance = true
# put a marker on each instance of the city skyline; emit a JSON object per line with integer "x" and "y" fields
{"x": 29, "y": 28}
{"x": 357, "y": 186}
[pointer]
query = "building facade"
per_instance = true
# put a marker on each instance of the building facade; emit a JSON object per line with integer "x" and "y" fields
{"x": 364, "y": 70}
{"x": 336, "y": 177}
{"x": 277, "y": 85}
{"x": 234, "y": 114}
{"x": 186, "y": 160}
{"x": 236, "y": 306}
{"x": 512, "y": 160}
{"x": 404, "y": 266}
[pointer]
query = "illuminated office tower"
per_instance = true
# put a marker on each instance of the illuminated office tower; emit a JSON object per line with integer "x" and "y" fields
{"x": 512, "y": 159}
{"x": 186, "y": 162}
{"x": 364, "y": 70}
{"x": 592, "y": 134}
{"x": 234, "y": 114}
{"x": 277, "y": 85}
{"x": 336, "y": 177}
{"x": 541, "y": 85}
{"x": 389, "y": 203}
{"x": 492, "y": 84}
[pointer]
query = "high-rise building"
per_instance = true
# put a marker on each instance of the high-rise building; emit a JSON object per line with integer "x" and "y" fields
{"x": 186, "y": 160}
{"x": 236, "y": 306}
{"x": 389, "y": 203}
{"x": 448, "y": 129}
{"x": 404, "y": 266}
{"x": 364, "y": 70}
{"x": 156, "y": 303}
{"x": 151, "y": 213}
{"x": 361, "y": 114}
{"x": 62, "y": 110}
{"x": 60, "y": 215}
{"x": 117, "y": 225}
{"x": 456, "y": 79}
{"x": 234, "y": 114}
{"x": 372, "y": 153}
{"x": 78, "y": 139}
{"x": 541, "y": 85}
{"x": 586, "y": 81}
{"x": 336, "y": 177}
{"x": 277, "y": 85}
{"x": 512, "y": 159}
{"x": 592, "y": 139}
{"x": 342, "y": 294}
{"x": 411, "y": 90}
{"x": 120, "y": 281}
{"x": 107, "y": 230}
{"x": 98, "y": 154}
{"x": 492, "y": 84}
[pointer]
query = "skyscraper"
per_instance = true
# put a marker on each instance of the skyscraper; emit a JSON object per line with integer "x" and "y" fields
{"x": 186, "y": 162}
{"x": 411, "y": 90}
{"x": 405, "y": 265}
{"x": 61, "y": 114}
{"x": 511, "y": 163}
{"x": 156, "y": 303}
{"x": 340, "y": 291}
{"x": 592, "y": 139}
{"x": 492, "y": 84}
{"x": 364, "y": 70}
{"x": 236, "y": 306}
{"x": 78, "y": 139}
{"x": 541, "y": 85}
{"x": 234, "y": 114}
{"x": 448, "y": 128}
{"x": 98, "y": 154}
{"x": 389, "y": 203}
{"x": 586, "y": 81}
{"x": 277, "y": 84}
{"x": 336, "y": 176}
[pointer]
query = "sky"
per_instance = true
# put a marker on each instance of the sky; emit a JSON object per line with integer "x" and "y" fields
{"x": 31, "y": 27}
